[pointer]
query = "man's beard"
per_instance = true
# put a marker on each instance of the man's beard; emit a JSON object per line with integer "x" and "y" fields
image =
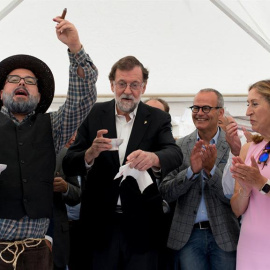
{"x": 19, "y": 106}
{"x": 126, "y": 106}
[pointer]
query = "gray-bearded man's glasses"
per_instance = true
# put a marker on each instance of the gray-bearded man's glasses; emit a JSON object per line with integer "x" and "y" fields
{"x": 16, "y": 79}
{"x": 134, "y": 86}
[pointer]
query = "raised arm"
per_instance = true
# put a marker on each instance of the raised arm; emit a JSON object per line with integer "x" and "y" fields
{"x": 82, "y": 93}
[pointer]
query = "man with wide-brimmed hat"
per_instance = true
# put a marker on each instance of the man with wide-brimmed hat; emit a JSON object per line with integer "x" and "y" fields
{"x": 30, "y": 140}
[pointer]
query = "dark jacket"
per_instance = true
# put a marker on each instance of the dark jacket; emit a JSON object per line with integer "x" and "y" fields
{"x": 60, "y": 220}
{"x": 142, "y": 212}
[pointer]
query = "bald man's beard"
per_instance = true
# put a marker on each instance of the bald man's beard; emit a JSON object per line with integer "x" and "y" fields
{"x": 20, "y": 105}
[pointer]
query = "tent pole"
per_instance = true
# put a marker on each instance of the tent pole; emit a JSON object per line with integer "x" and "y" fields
{"x": 241, "y": 23}
{"x": 4, "y": 12}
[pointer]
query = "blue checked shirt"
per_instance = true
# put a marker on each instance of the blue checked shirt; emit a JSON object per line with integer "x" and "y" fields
{"x": 202, "y": 211}
{"x": 81, "y": 97}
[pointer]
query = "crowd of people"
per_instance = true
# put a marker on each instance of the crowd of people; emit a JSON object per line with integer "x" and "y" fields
{"x": 70, "y": 201}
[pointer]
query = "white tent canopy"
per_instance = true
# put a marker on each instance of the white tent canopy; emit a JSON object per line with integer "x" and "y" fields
{"x": 187, "y": 45}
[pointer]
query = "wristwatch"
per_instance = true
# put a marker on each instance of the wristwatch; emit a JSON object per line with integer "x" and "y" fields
{"x": 266, "y": 187}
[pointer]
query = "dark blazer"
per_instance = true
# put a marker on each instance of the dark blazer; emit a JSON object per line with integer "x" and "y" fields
{"x": 60, "y": 219}
{"x": 141, "y": 212}
{"x": 175, "y": 186}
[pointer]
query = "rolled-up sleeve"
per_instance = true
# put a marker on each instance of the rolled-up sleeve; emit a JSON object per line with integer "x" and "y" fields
{"x": 80, "y": 99}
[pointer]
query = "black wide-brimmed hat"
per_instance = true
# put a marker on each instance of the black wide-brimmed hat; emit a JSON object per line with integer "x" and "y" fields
{"x": 41, "y": 71}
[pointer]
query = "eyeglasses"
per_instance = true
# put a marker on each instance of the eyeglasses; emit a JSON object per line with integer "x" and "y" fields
{"x": 16, "y": 79}
{"x": 135, "y": 86}
{"x": 205, "y": 109}
{"x": 264, "y": 156}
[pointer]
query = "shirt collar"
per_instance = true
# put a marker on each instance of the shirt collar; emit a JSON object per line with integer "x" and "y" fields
{"x": 214, "y": 139}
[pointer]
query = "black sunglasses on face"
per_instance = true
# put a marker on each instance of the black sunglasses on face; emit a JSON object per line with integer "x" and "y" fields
{"x": 264, "y": 156}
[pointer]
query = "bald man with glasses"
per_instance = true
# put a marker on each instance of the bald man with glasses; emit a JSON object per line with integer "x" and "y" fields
{"x": 204, "y": 231}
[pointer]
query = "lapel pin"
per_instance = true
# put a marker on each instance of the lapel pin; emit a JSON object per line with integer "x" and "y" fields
{"x": 145, "y": 122}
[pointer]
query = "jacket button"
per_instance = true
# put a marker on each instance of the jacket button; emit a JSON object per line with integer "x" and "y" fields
{"x": 25, "y": 180}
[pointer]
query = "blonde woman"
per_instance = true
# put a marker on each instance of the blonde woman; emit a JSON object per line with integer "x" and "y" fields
{"x": 251, "y": 196}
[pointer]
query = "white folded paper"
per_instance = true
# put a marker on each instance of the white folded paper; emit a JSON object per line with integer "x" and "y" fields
{"x": 143, "y": 178}
{"x": 2, "y": 167}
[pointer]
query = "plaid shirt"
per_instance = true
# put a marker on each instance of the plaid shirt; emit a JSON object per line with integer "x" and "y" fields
{"x": 81, "y": 97}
